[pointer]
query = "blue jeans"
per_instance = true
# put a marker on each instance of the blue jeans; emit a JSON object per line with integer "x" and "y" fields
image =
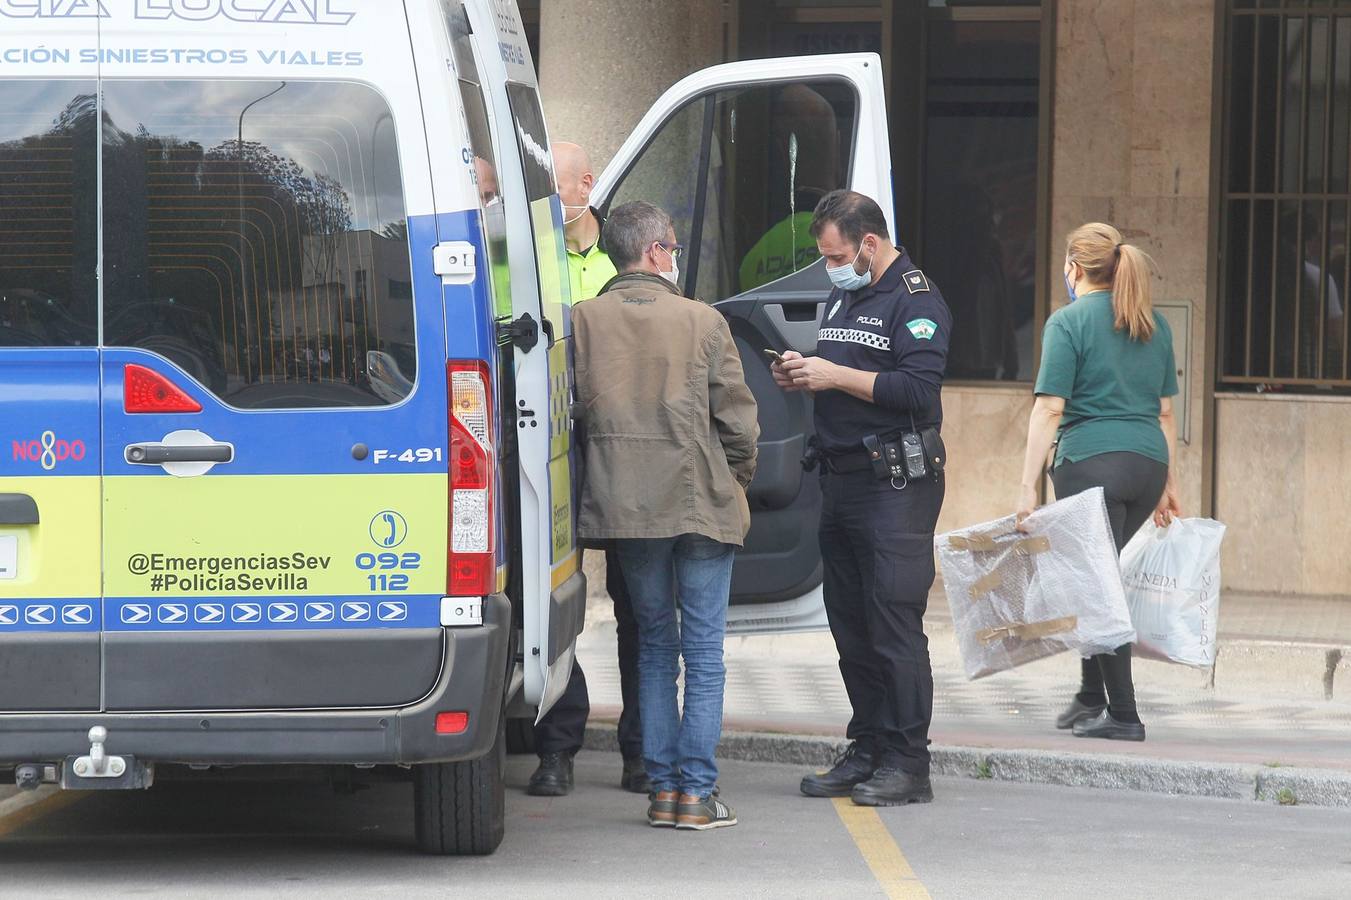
{"x": 695, "y": 572}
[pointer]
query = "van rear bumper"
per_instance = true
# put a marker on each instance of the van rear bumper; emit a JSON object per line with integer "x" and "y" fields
{"x": 473, "y": 681}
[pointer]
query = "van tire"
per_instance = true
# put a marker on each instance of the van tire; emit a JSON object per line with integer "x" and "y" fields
{"x": 460, "y": 808}
{"x": 520, "y": 736}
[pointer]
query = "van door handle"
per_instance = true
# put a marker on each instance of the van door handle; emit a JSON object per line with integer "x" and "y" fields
{"x": 18, "y": 509}
{"x": 157, "y": 454}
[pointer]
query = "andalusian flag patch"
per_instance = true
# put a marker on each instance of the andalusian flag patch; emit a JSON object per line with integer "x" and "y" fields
{"x": 922, "y": 329}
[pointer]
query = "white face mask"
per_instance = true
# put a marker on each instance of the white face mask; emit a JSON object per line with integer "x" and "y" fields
{"x": 672, "y": 276}
{"x": 847, "y": 278}
{"x": 584, "y": 209}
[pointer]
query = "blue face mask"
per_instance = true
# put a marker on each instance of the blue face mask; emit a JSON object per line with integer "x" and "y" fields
{"x": 847, "y": 278}
{"x": 1069, "y": 287}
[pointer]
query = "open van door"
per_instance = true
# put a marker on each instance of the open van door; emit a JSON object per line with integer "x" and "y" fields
{"x": 538, "y": 326}
{"x": 739, "y": 155}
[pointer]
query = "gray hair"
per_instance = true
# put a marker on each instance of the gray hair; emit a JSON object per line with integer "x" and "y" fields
{"x": 631, "y": 229}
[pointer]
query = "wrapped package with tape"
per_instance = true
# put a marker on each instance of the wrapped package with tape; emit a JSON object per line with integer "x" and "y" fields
{"x": 1019, "y": 596}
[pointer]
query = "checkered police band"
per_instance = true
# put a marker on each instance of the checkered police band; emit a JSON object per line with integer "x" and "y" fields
{"x": 854, "y": 336}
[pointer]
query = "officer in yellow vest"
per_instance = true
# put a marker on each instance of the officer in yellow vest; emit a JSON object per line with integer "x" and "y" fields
{"x": 589, "y": 265}
{"x": 558, "y": 736}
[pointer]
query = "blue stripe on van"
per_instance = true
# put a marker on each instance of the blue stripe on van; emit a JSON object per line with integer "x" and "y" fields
{"x": 253, "y": 613}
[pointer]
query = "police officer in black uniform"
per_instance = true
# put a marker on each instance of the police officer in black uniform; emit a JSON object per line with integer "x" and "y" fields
{"x": 877, "y": 378}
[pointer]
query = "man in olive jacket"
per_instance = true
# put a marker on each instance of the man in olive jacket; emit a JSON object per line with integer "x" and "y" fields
{"x": 670, "y": 447}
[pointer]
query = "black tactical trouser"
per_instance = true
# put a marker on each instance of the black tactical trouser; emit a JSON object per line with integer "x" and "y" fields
{"x": 877, "y": 547}
{"x": 562, "y": 728}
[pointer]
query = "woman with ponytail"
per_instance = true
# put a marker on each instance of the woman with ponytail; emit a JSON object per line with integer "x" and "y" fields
{"x": 1104, "y": 400}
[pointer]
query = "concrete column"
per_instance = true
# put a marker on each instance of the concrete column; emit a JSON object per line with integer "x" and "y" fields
{"x": 602, "y": 64}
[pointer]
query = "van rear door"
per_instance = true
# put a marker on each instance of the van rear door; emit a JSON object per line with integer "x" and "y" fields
{"x": 49, "y": 384}
{"x": 275, "y": 428}
{"x": 739, "y": 155}
{"x": 553, "y": 587}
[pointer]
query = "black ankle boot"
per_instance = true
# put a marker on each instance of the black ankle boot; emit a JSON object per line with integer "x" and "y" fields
{"x": 553, "y": 778}
{"x": 854, "y": 766}
{"x": 893, "y": 787}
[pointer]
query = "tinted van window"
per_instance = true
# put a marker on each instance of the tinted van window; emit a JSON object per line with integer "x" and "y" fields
{"x": 48, "y": 214}
{"x": 255, "y": 235}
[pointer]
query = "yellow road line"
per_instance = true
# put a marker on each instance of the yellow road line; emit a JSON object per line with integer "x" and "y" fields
{"x": 880, "y": 852}
{"x": 21, "y": 809}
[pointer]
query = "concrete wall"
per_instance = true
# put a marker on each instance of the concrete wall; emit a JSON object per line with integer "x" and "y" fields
{"x": 1285, "y": 493}
{"x": 602, "y": 67}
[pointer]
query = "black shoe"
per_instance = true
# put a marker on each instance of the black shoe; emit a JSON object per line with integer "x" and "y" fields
{"x": 1104, "y": 726}
{"x": 1077, "y": 711}
{"x": 635, "y": 780}
{"x": 853, "y": 766}
{"x": 553, "y": 778}
{"x": 893, "y": 787}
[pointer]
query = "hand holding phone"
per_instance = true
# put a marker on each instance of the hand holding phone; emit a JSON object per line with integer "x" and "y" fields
{"x": 774, "y": 356}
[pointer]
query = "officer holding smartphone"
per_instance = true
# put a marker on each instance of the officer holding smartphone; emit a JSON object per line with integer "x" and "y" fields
{"x": 877, "y": 379}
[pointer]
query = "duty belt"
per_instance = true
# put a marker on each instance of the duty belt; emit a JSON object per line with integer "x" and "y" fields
{"x": 847, "y": 463}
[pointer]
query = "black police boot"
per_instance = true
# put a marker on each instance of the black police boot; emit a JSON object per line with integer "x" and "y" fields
{"x": 853, "y": 766}
{"x": 893, "y": 787}
{"x": 635, "y": 780}
{"x": 1078, "y": 711}
{"x": 553, "y": 778}
{"x": 1104, "y": 726}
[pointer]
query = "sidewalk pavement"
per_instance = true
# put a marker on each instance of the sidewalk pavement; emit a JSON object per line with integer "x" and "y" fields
{"x": 1278, "y": 697}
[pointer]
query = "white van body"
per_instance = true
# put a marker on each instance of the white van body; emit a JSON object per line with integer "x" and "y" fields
{"x": 286, "y": 452}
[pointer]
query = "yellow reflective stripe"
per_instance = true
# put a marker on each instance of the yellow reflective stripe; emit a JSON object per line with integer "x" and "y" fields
{"x": 566, "y": 569}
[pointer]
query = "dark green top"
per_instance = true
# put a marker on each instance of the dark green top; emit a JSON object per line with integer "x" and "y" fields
{"x": 1112, "y": 385}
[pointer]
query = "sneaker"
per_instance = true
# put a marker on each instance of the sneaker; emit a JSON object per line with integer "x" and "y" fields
{"x": 553, "y": 778}
{"x": 701, "y": 814}
{"x": 634, "y": 779}
{"x": 661, "y": 812}
{"x": 893, "y": 787}
{"x": 853, "y": 766}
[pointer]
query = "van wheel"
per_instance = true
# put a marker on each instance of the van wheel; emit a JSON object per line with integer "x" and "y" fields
{"x": 461, "y": 807}
{"x": 520, "y": 736}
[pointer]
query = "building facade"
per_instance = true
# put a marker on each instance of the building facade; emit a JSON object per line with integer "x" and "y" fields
{"x": 1216, "y": 134}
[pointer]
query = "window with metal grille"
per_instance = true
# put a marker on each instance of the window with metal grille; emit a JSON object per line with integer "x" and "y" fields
{"x": 1284, "y": 268}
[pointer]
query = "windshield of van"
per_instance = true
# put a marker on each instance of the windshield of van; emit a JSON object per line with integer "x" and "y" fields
{"x": 255, "y": 235}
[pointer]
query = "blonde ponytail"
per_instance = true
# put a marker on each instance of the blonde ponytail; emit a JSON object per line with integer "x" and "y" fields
{"x": 1106, "y": 259}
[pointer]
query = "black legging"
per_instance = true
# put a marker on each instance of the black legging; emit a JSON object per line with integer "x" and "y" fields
{"x": 1132, "y": 485}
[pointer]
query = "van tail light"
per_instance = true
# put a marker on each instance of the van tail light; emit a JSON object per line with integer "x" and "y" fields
{"x": 147, "y": 391}
{"x": 472, "y": 560}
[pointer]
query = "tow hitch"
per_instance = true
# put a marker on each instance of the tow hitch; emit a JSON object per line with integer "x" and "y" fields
{"x": 100, "y": 771}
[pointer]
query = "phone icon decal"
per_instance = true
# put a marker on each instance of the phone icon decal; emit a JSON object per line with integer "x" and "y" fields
{"x": 388, "y": 529}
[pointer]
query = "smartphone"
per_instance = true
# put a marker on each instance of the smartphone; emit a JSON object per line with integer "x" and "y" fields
{"x": 774, "y": 356}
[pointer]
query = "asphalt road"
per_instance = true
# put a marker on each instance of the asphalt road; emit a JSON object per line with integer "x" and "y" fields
{"x": 978, "y": 839}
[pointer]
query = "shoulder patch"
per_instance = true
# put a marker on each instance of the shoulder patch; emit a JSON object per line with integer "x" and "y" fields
{"x": 922, "y": 329}
{"x": 834, "y": 309}
{"x": 915, "y": 282}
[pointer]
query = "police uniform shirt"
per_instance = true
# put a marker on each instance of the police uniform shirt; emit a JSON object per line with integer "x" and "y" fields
{"x": 899, "y": 327}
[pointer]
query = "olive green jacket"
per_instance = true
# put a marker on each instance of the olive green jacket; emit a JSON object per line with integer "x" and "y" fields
{"x": 670, "y": 425}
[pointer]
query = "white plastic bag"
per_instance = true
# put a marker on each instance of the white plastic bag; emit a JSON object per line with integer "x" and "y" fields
{"x": 1172, "y": 579}
{"x": 1018, "y": 596}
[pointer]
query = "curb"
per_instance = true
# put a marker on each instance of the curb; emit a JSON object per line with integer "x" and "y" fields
{"x": 1284, "y": 786}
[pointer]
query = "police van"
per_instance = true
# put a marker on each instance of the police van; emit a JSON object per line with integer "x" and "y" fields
{"x": 286, "y": 448}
